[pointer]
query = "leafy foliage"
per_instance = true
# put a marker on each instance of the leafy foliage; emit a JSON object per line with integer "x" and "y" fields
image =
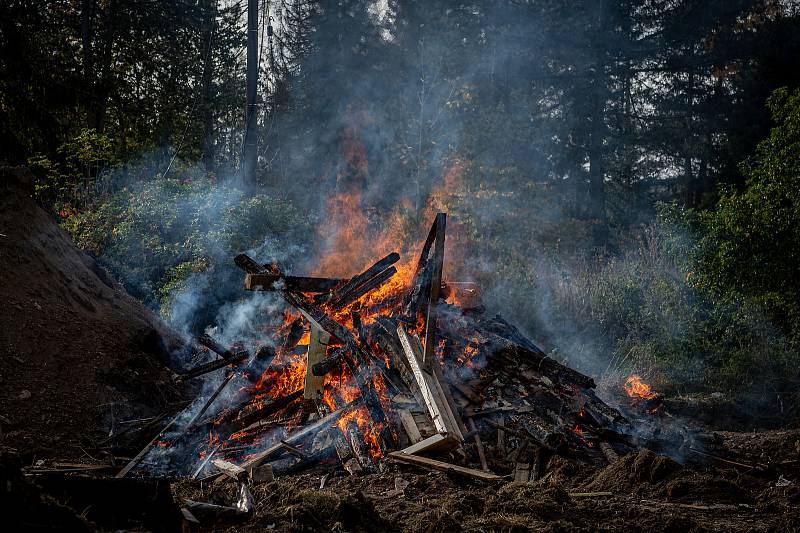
{"x": 751, "y": 243}
{"x": 155, "y": 235}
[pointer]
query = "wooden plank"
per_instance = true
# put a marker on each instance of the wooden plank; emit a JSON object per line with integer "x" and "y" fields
{"x": 441, "y": 466}
{"x": 317, "y": 349}
{"x": 440, "y": 413}
{"x": 407, "y": 420}
{"x": 365, "y": 276}
{"x": 436, "y": 283}
{"x": 479, "y": 445}
{"x": 522, "y": 472}
{"x": 436, "y": 442}
{"x": 212, "y": 366}
{"x": 361, "y": 290}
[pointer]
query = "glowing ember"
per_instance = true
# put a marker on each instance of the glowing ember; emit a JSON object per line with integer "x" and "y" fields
{"x": 638, "y": 389}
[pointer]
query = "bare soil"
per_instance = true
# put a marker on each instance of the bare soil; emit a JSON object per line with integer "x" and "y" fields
{"x": 648, "y": 492}
{"x": 76, "y": 352}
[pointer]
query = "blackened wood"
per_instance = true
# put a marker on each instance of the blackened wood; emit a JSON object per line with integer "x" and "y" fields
{"x": 275, "y": 282}
{"x": 210, "y": 400}
{"x": 269, "y": 409}
{"x": 420, "y": 282}
{"x": 346, "y": 299}
{"x": 248, "y": 264}
{"x": 294, "y": 334}
{"x": 139, "y": 456}
{"x": 437, "y": 264}
{"x": 213, "y": 365}
{"x": 365, "y": 276}
{"x": 329, "y": 364}
{"x": 478, "y": 444}
{"x": 209, "y": 342}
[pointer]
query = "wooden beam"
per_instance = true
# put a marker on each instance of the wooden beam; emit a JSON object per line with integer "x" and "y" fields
{"x": 441, "y": 466}
{"x": 317, "y": 349}
{"x": 436, "y": 283}
{"x": 342, "y": 294}
{"x": 441, "y": 415}
{"x": 276, "y": 282}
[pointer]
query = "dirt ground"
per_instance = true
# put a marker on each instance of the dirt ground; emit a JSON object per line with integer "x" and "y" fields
{"x": 648, "y": 492}
{"x": 76, "y": 352}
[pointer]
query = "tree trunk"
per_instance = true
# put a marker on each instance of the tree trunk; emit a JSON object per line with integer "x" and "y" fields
{"x": 207, "y": 51}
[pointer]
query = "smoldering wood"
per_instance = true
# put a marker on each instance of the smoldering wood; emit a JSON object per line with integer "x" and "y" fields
{"x": 248, "y": 264}
{"x": 351, "y": 296}
{"x": 266, "y": 410}
{"x": 341, "y": 293}
{"x": 329, "y": 364}
{"x": 276, "y": 282}
{"x": 212, "y": 366}
{"x": 209, "y": 342}
{"x": 437, "y": 264}
{"x": 211, "y": 400}
{"x": 139, "y": 456}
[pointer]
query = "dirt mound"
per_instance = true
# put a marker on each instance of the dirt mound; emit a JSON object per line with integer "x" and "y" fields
{"x": 76, "y": 351}
{"x": 633, "y": 471}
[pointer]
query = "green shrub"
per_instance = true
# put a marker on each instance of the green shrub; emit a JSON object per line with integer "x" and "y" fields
{"x": 750, "y": 244}
{"x": 154, "y": 235}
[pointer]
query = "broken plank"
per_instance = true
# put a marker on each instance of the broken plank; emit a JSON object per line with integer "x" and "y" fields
{"x": 410, "y": 427}
{"x": 371, "y": 285}
{"x": 437, "y": 406}
{"x": 436, "y": 283}
{"x": 212, "y": 366}
{"x": 441, "y": 466}
{"x": 317, "y": 348}
{"x": 356, "y": 281}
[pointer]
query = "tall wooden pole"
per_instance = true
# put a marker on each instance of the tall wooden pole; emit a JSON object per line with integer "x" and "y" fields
{"x": 250, "y": 136}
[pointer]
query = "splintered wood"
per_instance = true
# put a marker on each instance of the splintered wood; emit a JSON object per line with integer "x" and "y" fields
{"x": 406, "y": 373}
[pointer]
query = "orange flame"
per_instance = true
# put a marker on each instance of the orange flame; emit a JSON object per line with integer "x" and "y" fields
{"x": 636, "y": 388}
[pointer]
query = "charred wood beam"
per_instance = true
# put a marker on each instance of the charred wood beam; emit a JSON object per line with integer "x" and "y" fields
{"x": 268, "y": 409}
{"x": 210, "y": 400}
{"x": 275, "y": 282}
{"x": 341, "y": 294}
{"x": 329, "y": 364}
{"x": 346, "y": 299}
{"x": 213, "y": 365}
{"x": 248, "y": 264}
{"x": 209, "y": 342}
{"x": 437, "y": 264}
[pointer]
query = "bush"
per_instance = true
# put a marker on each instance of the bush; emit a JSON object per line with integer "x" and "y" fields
{"x": 155, "y": 235}
{"x": 750, "y": 246}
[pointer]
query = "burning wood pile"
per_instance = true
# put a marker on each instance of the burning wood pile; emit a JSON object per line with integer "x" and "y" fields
{"x": 376, "y": 368}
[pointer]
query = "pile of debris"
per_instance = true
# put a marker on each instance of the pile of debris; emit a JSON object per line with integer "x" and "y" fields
{"x": 387, "y": 366}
